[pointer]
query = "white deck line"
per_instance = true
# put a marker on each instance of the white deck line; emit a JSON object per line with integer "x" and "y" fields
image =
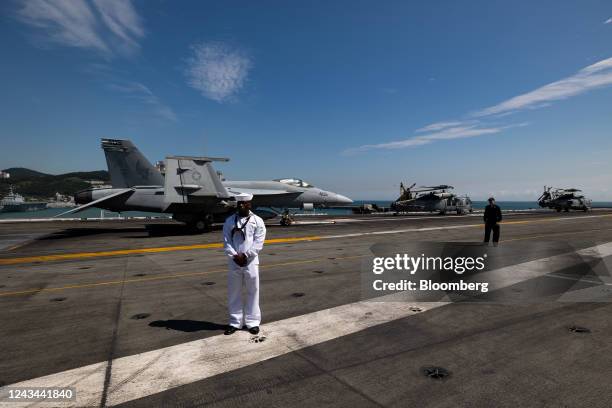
{"x": 148, "y": 373}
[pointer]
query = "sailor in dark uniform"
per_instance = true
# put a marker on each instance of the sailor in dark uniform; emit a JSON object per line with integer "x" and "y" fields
{"x": 492, "y": 215}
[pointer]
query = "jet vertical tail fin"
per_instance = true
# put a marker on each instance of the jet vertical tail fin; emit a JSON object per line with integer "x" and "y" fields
{"x": 127, "y": 166}
{"x": 193, "y": 179}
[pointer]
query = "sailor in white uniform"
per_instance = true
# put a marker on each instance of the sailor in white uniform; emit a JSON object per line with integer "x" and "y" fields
{"x": 243, "y": 236}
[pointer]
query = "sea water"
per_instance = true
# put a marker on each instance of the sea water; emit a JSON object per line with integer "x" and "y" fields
{"x": 97, "y": 213}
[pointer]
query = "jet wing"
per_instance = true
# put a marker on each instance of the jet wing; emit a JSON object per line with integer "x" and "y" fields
{"x": 267, "y": 197}
{"x": 98, "y": 201}
{"x": 260, "y": 192}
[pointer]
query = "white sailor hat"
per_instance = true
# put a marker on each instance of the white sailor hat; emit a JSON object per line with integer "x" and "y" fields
{"x": 244, "y": 197}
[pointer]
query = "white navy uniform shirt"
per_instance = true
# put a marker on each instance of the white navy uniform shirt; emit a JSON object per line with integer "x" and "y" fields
{"x": 251, "y": 244}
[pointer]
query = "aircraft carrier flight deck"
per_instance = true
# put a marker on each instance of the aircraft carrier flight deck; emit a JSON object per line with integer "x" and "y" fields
{"x": 132, "y": 313}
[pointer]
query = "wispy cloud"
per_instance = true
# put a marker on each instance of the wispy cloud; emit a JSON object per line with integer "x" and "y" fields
{"x": 106, "y": 26}
{"x": 457, "y": 132}
{"x": 143, "y": 94}
{"x": 217, "y": 70}
{"x": 122, "y": 20}
{"x": 608, "y": 21}
{"x": 592, "y": 77}
{"x": 589, "y": 78}
{"x": 439, "y": 126}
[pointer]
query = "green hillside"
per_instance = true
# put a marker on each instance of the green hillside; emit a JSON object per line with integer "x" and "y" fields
{"x": 34, "y": 184}
{"x": 20, "y": 173}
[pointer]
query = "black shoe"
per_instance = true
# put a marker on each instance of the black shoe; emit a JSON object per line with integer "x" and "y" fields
{"x": 230, "y": 330}
{"x": 254, "y": 330}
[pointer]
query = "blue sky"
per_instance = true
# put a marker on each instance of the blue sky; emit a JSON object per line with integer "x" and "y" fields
{"x": 492, "y": 97}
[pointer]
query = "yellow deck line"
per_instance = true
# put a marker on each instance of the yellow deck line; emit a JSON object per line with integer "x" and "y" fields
{"x": 553, "y": 234}
{"x": 85, "y": 255}
{"x": 162, "y": 277}
{"x": 81, "y": 255}
{"x": 280, "y": 240}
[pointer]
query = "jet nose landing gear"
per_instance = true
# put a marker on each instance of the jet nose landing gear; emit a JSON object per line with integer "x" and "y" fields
{"x": 286, "y": 219}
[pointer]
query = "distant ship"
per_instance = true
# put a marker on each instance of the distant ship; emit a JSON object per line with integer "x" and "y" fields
{"x": 14, "y": 202}
{"x": 61, "y": 201}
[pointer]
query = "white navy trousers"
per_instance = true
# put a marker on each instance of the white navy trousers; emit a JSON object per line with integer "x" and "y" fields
{"x": 243, "y": 311}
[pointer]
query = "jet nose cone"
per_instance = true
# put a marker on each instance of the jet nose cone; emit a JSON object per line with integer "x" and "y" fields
{"x": 343, "y": 199}
{"x": 83, "y": 197}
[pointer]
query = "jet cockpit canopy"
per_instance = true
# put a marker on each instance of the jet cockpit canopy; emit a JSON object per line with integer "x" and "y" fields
{"x": 295, "y": 182}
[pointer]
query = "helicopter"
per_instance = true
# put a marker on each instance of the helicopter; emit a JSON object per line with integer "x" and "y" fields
{"x": 563, "y": 199}
{"x": 431, "y": 199}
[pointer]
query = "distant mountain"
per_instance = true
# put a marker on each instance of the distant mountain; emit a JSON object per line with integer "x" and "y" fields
{"x": 20, "y": 173}
{"x": 34, "y": 184}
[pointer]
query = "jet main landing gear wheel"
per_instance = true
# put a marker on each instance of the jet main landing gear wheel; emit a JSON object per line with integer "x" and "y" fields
{"x": 202, "y": 224}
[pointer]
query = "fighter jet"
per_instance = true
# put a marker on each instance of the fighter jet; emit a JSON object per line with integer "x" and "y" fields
{"x": 563, "y": 199}
{"x": 431, "y": 199}
{"x": 191, "y": 190}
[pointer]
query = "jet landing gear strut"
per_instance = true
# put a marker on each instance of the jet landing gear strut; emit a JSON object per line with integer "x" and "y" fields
{"x": 201, "y": 223}
{"x": 286, "y": 219}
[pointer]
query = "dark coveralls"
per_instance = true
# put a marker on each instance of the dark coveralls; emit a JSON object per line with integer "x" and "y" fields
{"x": 492, "y": 215}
